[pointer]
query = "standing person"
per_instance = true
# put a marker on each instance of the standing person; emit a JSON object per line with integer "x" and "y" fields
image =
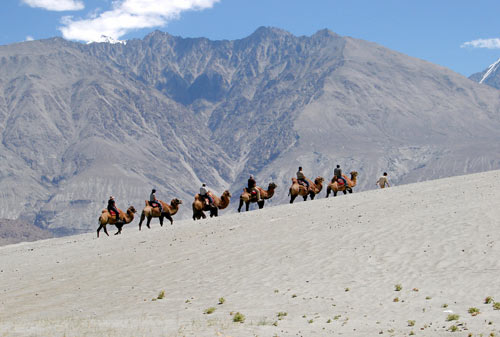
{"x": 302, "y": 178}
{"x": 252, "y": 186}
{"x": 205, "y": 195}
{"x": 112, "y": 207}
{"x": 337, "y": 172}
{"x": 382, "y": 181}
{"x": 153, "y": 201}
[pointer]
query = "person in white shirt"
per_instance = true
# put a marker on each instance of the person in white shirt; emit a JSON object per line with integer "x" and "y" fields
{"x": 205, "y": 195}
{"x": 382, "y": 181}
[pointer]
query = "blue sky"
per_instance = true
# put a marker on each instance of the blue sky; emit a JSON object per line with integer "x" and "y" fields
{"x": 460, "y": 34}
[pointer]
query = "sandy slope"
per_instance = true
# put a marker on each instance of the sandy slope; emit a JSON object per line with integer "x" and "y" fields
{"x": 331, "y": 265}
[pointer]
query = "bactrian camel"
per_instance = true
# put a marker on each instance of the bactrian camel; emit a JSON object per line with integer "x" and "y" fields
{"x": 107, "y": 218}
{"x": 246, "y": 197}
{"x": 199, "y": 205}
{"x": 335, "y": 187}
{"x": 154, "y": 212}
{"x": 297, "y": 189}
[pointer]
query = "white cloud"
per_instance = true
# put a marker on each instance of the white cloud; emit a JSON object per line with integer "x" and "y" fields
{"x": 56, "y": 5}
{"x": 128, "y": 15}
{"x": 483, "y": 43}
{"x": 29, "y": 38}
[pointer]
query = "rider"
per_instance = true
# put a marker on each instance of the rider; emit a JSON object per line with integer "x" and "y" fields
{"x": 205, "y": 195}
{"x": 252, "y": 186}
{"x": 337, "y": 172}
{"x": 112, "y": 207}
{"x": 153, "y": 201}
{"x": 302, "y": 178}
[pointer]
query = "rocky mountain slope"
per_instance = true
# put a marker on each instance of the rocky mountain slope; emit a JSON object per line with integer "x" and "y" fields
{"x": 490, "y": 76}
{"x": 80, "y": 122}
{"x": 12, "y": 231}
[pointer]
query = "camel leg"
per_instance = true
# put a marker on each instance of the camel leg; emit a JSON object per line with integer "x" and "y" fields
{"x": 161, "y": 220}
{"x": 169, "y": 217}
{"x": 335, "y": 193}
{"x": 305, "y": 197}
{"x": 119, "y": 229}
{"x": 105, "y": 230}
{"x": 247, "y": 204}
{"x": 261, "y": 204}
{"x": 214, "y": 212}
{"x": 328, "y": 190}
{"x": 241, "y": 204}
{"x": 142, "y": 219}
{"x": 350, "y": 190}
{"x": 99, "y": 229}
{"x": 292, "y": 198}
{"x": 312, "y": 195}
{"x": 148, "y": 222}
{"x": 344, "y": 191}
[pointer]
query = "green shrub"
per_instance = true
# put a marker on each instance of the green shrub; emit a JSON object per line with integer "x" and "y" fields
{"x": 398, "y": 287}
{"x": 238, "y": 317}
{"x": 210, "y": 310}
{"x": 161, "y": 295}
{"x": 473, "y": 311}
{"x": 452, "y": 317}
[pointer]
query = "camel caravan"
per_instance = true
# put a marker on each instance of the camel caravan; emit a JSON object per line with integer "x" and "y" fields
{"x": 208, "y": 201}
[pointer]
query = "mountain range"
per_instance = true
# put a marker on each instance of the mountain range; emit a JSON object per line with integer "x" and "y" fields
{"x": 80, "y": 122}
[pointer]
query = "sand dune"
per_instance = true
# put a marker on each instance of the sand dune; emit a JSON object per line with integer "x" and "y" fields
{"x": 331, "y": 265}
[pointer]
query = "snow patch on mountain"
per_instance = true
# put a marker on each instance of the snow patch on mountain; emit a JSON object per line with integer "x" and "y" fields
{"x": 491, "y": 69}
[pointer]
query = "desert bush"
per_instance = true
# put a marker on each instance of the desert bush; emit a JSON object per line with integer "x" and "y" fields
{"x": 209, "y": 311}
{"x": 161, "y": 295}
{"x": 238, "y": 317}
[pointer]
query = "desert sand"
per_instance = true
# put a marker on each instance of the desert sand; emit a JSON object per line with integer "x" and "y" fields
{"x": 391, "y": 262}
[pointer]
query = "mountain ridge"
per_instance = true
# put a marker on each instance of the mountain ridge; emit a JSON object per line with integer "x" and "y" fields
{"x": 81, "y": 122}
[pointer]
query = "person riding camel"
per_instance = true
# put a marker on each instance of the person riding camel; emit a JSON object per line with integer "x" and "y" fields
{"x": 301, "y": 178}
{"x": 205, "y": 196}
{"x": 153, "y": 201}
{"x": 112, "y": 207}
{"x": 337, "y": 174}
{"x": 252, "y": 186}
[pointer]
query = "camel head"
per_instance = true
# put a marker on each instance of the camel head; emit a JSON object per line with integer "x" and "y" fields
{"x": 175, "y": 202}
{"x": 227, "y": 194}
{"x": 272, "y": 186}
{"x": 319, "y": 180}
{"x": 354, "y": 174}
{"x": 131, "y": 209}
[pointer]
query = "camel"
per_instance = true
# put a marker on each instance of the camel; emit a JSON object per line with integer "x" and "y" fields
{"x": 334, "y": 186}
{"x": 200, "y": 205}
{"x": 247, "y": 197}
{"x": 297, "y": 189}
{"x": 154, "y": 212}
{"x": 107, "y": 218}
